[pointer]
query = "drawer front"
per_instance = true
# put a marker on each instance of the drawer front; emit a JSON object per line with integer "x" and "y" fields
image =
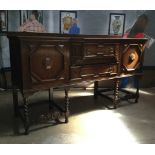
{"x": 91, "y": 50}
{"x": 93, "y": 53}
{"x": 93, "y": 71}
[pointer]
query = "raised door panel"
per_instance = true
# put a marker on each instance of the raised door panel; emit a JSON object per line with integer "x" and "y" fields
{"x": 47, "y": 64}
{"x": 132, "y": 58}
{"x": 44, "y": 63}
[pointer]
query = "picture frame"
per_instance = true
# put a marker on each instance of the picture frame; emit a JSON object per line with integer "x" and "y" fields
{"x": 3, "y": 20}
{"x": 40, "y": 15}
{"x": 116, "y": 24}
{"x": 23, "y": 16}
{"x": 66, "y": 20}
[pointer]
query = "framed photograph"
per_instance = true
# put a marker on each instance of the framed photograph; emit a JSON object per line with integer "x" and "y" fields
{"x": 66, "y": 18}
{"x": 23, "y": 16}
{"x": 3, "y": 20}
{"x": 40, "y": 15}
{"x": 116, "y": 24}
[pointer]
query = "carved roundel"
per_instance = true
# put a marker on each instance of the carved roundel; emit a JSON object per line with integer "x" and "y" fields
{"x": 131, "y": 57}
{"x": 46, "y": 64}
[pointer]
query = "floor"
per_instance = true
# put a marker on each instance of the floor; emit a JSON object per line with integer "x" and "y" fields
{"x": 89, "y": 122}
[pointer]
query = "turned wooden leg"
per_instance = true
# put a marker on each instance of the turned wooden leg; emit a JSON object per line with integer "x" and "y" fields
{"x": 50, "y": 91}
{"x": 116, "y": 91}
{"x": 26, "y": 115}
{"x": 4, "y": 78}
{"x": 95, "y": 89}
{"x": 15, "y": 101}
{"x": 66, "y": 105}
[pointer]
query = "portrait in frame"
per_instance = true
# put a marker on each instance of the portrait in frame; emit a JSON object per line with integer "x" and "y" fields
{"x": 116, "y": 24}
{"x": 3, "y": 20}
{"x": 23, "y": 16}
{"x": 40, "y": 15}
{"x": 66, "y": 18}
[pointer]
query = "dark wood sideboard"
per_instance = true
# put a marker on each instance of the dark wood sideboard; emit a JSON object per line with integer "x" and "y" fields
{"x": 41, "y": 61}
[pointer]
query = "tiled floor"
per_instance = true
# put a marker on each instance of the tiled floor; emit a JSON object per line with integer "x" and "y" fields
{"x": 89, "y": 122}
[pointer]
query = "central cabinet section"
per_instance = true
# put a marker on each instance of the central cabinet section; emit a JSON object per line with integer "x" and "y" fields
{"x": 91, "y": 60}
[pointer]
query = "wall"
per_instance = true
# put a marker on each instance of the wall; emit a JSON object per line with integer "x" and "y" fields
{"x": 149, "y": 59}
{"x": 90, "y": 22}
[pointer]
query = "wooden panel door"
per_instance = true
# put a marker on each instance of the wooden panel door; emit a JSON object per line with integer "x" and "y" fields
{"x": 45, "y": 63}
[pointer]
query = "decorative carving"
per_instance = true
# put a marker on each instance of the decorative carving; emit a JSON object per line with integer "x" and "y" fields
{"x": 99, "y": 50}
{"x": 132, "y": 57}
{"x": 117, "y": 53}
{"x": 92, "y": 54}
{"x": 47, "y": 63}
{"x": 50, "y": 116}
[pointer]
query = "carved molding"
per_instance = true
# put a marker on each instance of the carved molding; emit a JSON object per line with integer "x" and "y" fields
{"x": 46, "y": 63}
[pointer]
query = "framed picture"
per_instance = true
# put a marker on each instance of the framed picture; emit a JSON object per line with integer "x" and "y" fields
{"x": 3, "y": 20}
{"x": 40, "y": 15}
{"x": 116, "y": 24}
{"x": 66, "y": 18}
{"x": 23, "y": 16}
